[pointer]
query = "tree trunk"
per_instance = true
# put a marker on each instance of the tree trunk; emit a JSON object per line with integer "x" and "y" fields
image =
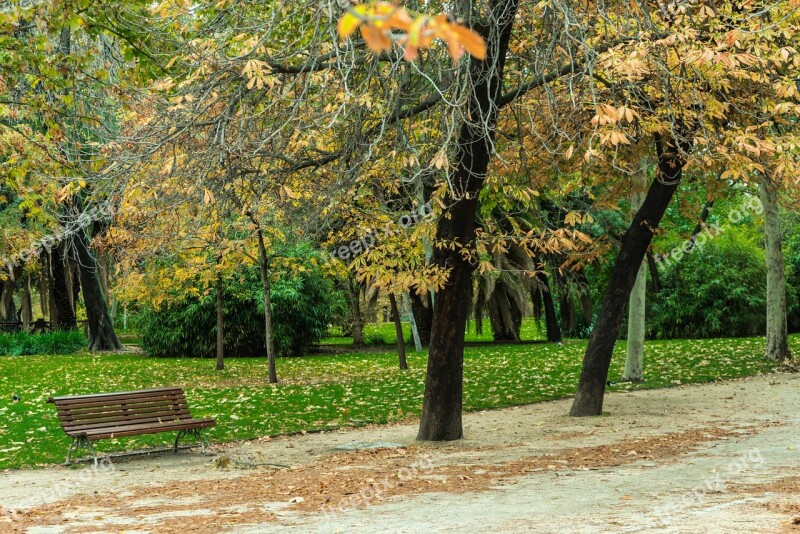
{"x": 268, "y": 334}
{"x": 423, "y": 315}
{"x": 406, "y": 300}
{"x": 398, "y": 328}
{"x": 505, "y": 315}
{"x": 441, "y": 406}
{"x": 651, "y": 262}
{"x": 220, "y": 327}
{"x": 550, "y": 319}
{"x": 62, "y": 309}
{"x": 777, "y": 344}
{"x": 101, "y": 329}
{"x": 44, "y": 286}
{"x": 26, "y": 310}
{"x": 634, "y": 356}
{"x": 635, "y": 242}
{"x": 355, "y": 312}
{"x": 8, "y": 309}
{"x": 569, "y": 315}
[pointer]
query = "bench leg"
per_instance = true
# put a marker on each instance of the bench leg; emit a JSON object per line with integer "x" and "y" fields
{"x": 197, "y": 433}
{"x": 181, "y": 433}
{"x": 78, "y": 443}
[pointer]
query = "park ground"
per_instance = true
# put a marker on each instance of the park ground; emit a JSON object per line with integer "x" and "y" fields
{"x": 718, "y": 457}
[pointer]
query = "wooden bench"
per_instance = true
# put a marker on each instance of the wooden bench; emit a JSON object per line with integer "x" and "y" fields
{"x": 88, "y": 418}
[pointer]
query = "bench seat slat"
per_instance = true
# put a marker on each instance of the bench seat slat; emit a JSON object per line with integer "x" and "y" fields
{"x": 95, "y": 403}
{"x": 117, "y": 394}
{"x": 71, "y": 427}
{"x": 149, "y": 428}
{"x": 121, "y": 411}
{"x": 122, "y": 416}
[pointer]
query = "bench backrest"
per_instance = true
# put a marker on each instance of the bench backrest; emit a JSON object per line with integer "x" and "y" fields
{"x": 106, "y": 410}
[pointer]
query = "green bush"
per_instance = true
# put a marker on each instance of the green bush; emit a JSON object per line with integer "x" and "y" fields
{"x": 303, "y": 305}
{"x": 718, "y": 290}
{"x": 58, "y": 342}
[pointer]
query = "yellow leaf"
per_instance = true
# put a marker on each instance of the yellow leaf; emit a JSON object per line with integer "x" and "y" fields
{"x": 347, "y": 25}
{"x": 470, "y": 40}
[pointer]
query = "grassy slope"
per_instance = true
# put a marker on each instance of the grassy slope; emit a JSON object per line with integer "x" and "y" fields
{"x": 327, "y": 391}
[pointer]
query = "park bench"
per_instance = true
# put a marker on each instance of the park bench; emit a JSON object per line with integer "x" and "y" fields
{"x": 88, "y": 418}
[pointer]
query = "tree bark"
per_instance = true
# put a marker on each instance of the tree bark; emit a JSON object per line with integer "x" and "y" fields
{"x": 505, "y": 315}
{"x": 220, "y": 327}
{"x": 441, "y": 406}
{"x": 62, "y": 309}
{"x": 101, "y": 328}
{"x": 8, "y": 310}
{"x": 597, "y": 359}
{"x": 634, "y": 352}
{"x": 550, "y": 319}
{"x": 270, "y": 342}
{"x": 26, "y": 309}
{"x": 777, "y": 342}
{"x": 423, "y": 315}
{"x": 355, "y": 312}
{"x": 406, "y": 301}
{"x": 398, "y": 328}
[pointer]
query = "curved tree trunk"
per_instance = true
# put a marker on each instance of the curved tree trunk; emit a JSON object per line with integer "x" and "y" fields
{"x": 441, "y": 406}
{"x": 635, "y": 242}
{"x": 777, "y": 345}
{"x": 101, "y": 329}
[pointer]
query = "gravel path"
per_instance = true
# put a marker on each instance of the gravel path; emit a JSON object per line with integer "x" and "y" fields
{"x": 719, "y": 457}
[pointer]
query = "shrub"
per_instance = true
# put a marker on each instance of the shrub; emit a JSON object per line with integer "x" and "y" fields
{"x": 715, "y": 291}
{"x": 302, "y": 304}
{"x": 58, "y": 342}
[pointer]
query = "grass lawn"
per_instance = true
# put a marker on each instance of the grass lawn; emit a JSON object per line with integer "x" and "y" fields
{"x": 385, "y": 333}
{"x": 320, "y": 392}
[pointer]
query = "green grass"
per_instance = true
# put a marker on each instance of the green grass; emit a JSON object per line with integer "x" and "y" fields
{"x": 385, "y": 333}
{"x": 328, "y": 391}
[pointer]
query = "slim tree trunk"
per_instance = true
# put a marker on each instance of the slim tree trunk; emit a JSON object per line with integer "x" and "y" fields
{"x": 634, "y": 356}
{"x": 268, "y": 333}
{"x": 635, "y": 242}
{"x": 220, "y": 327}
{"x": 441, "y": 406}
{"x": 26, "y": 310}
{"x": 355, "y": 312}
{"x": 398, "y": 328}
{"x": 101, "y": 328}
{"x": 550, "y": 319}
{"x": 777, "y": 344}
{"x": 406, "y": 300}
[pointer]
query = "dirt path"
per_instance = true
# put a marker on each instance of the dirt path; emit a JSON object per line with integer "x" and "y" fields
{"x": 713, "y": 458}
